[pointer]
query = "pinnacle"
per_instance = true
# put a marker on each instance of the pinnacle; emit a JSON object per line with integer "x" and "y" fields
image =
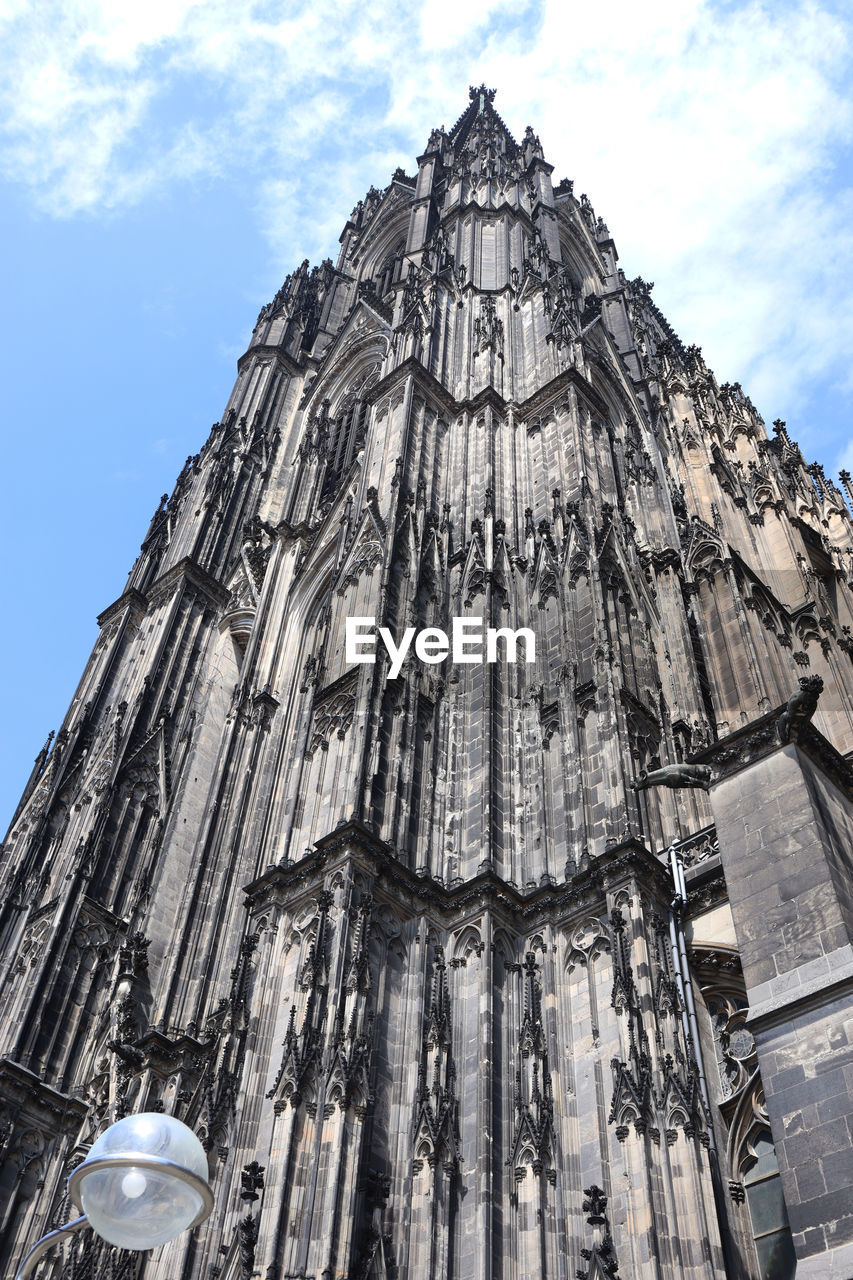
{"x": 481, "y": 103}
{"x": 481, "y": 96}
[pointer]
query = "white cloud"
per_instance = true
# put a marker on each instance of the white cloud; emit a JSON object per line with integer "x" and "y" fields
{"x": 445, "y": 23}
{"x": 844, "y": 461}
{"x": 708, "y": 135}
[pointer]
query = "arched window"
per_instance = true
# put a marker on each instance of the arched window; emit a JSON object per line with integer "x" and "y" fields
{"x": 770, "y": 1229}
{"x": 750, "y": 1153}
{"x": 391, "y": 270}
{"x": 348, "y": 429}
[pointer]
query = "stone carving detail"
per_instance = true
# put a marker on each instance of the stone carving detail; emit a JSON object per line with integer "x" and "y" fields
{"x": 365, "y": 555}
{"x": 251, "y": 1180}
{"x": 475, "y": 577}
{"x": 348, "y": 1077}
{"x": 225, "y": 1030}
{"x": 488, "y": 328}
{"x": 733, "y": 1040}
{"x": 800, "y": 708}
{"x": 675, "y": 775}
{"x": 302, "y": 1048}
{"x": 333, "y": 714}
{"x": 35, "y": 935}
{"x": 699, "y": 848}
{"x": 533, "y": 1103}
{"x": 549, "y": 718}
{"x": 436, "y": 1115}
{"x": 652, "y": 1087}
{"x": 601, "y": 1257}
{"x": 562, "y": 304}
{"x": 88, "y": 1257}
{"x": 247, "y": 1233}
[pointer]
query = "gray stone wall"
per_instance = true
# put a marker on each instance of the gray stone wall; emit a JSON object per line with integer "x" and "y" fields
{"x": 404, "y": 943}
{"x": 785, "y": 830}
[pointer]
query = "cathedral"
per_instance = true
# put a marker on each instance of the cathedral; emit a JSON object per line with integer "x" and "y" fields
{"x": 453, "y": 824}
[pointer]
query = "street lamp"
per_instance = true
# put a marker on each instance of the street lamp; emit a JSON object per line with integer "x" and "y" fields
{"x": 143, "y": 1182}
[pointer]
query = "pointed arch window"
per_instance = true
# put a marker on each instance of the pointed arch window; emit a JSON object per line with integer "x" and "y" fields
{"x": 391, "y": 270}
{"x": 348, "y": 429}
{"x": 770, "y": 1229}
{"x": 751, "y": 1154}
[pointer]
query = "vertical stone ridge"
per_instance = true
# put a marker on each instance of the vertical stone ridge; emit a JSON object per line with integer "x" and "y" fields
{"x": 472, "y": 414}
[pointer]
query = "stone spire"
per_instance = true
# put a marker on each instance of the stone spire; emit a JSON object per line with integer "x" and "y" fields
{"x": 393, "y": 925}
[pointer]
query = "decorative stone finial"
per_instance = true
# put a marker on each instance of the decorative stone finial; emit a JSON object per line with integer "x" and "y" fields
{"x": 485, "y": 95}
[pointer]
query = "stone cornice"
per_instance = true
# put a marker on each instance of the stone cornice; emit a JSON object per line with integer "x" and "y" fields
{"x": 539, "y": 162}
{"x": 187, "y": 571}
{"x": 163, "y": 1051}
{"x": 412, "y": 368}
{"x": 58, "y": 1111}
{"x": 284, "y": 884}
{"x": 96, "y": 911}
{"x": 269, "y": 352}
{"x": 301, "y": 532}
{"x": 488, "y": 396}
{"x": 536, "y": 403}
{"x": 550, "y": 390}
{"x": 384, "y": 321}
{"x": 459, "y": 211}
{"x": 831, "y": 762}
{"x": 131, "y": 599}
{"x": 761, "y": 738}
{"x": 809, "y": 986}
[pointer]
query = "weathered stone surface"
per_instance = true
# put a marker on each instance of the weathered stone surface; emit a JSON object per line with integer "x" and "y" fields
{"x": 790, "y": 902}
{"x": 407, "y": 952}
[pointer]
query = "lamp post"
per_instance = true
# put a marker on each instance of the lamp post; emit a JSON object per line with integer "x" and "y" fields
{"x": 143, "y": 1182}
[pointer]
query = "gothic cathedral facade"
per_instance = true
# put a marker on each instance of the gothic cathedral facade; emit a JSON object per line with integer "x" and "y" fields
{"x": 484, "y": 970}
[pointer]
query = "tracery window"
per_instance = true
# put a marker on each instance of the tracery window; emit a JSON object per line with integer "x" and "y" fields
{"x": 348, "y": 429}
{"x": 733, "y": 1043}
{"x": 756, "y": 1185}
{"x": 391, "y": 270}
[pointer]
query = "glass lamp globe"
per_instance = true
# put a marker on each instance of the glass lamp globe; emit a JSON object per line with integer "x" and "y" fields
{"x": 143, "y": 1182}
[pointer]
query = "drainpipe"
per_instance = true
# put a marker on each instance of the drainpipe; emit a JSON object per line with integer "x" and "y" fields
{"x": 683, "y": 979}
{"x": 690, "y": 1027}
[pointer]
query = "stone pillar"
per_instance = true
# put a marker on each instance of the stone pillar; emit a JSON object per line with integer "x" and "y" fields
{"x": 784, "y": 817}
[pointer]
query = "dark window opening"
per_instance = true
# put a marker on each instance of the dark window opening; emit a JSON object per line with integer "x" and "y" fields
{"x": 770, "y": 1229}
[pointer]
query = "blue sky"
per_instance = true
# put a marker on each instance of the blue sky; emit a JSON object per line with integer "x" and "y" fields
{"x": 162, "y": 166}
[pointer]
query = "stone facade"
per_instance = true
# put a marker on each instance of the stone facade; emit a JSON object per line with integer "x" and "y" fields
{"x": 490, "y": 971}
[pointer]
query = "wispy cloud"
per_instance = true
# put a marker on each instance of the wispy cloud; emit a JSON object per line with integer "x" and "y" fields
{"x": 844, "y": 461}
{"x": 710, "y": 135}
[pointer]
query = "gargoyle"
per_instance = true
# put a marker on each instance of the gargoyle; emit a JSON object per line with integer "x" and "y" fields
{"x": 800, "y": 708}
{"x": 674, "y": 775}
